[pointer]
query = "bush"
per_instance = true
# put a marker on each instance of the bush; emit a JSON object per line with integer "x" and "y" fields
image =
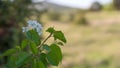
{"x": 80, "y": 18}
{"x": 54, "y": 16}
{"x": 116, "y": 4}
{"x": 96, "y": 6}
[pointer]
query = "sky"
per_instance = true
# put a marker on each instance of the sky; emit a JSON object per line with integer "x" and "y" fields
{"x": 84, "y": 4}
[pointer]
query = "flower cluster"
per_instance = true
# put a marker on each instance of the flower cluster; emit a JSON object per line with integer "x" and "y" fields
{"x": 32, "y": 24}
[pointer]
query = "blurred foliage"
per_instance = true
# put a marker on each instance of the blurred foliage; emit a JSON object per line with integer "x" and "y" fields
{"x": 108, "y": 7}
{"x": 80, "y": 19}
{"x": 96, "y": 6}
{"x": 71, "y": 16}
{"x": 54, "y": 16}
{"x": 116, "y": 4}
{"x": 13, "y": 14}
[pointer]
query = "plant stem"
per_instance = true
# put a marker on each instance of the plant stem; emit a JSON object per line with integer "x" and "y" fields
{"x": 45, "y": 41}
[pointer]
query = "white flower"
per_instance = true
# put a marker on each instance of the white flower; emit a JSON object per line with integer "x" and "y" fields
{"x": 25, "y": 29}
{"x": 32, "y": 24}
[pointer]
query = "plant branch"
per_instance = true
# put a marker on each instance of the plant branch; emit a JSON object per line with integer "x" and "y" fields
{"x": 45, "y": 40}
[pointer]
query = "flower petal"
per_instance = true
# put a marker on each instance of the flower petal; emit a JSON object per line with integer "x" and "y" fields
{"x": 33, "y": 24}
{"x": 25, "y": 29}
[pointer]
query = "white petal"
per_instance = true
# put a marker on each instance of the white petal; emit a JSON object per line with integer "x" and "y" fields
{"x": 39, "y": 31}
{"x": 33, "y": 24}
{"x": 25, "y": 29}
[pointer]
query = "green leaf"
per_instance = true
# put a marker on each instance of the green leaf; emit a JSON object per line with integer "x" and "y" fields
{"x": 24, "y": 44}
{"x": 33, "y": 36}
{"x": 59, "y": 35}
{"x": 23, "y": 57}
{"x": 11, "y": 62}
{"x": 8, "y": 52}
{"x": 60, "y": 43}
{"x": 40, "y": 64}
{"x": 50, "y": 30}
{"x": 43, "y": 59}
{"x": 46, "y": 47}
{"x": 18, "y": 47}
{"x": 55, "y": 55}
{"x": 33, "y": 48}
{"x": 34, "y": 63}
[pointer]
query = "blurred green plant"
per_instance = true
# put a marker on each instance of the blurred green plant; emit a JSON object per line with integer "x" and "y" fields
{"x": 109, "y": 7}
{"x": 33, "y": 52}
{"x": 13, "y": 14}
{"x": 116, "y": 4}
{"x": 54, "y": 16}
{"x": 96, "y": 6}
{"x": 80, "y": 18}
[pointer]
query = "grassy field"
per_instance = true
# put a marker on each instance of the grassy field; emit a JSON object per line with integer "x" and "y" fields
{"x": 94, "y": 46}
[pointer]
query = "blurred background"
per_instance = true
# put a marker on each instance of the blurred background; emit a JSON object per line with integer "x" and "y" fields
{"x": 92, "y": 28}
